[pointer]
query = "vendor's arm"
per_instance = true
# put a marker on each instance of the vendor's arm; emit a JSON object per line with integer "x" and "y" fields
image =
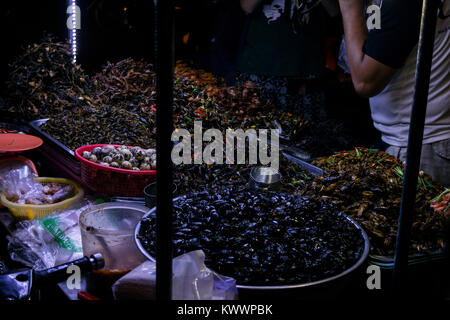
{"x": 374, "y": 56}
{"x": 369, "y": 76}
{"x": 250, "y": 5}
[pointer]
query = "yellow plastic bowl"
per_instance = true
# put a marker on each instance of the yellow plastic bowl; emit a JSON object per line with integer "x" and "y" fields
{"x": 33, "y": 211}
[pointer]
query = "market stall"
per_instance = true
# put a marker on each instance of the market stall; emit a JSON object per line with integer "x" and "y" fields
{"x": 87, "y": 178}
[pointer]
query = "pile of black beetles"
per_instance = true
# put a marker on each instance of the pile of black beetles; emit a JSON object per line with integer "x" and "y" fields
{"x": 262, "y": 238}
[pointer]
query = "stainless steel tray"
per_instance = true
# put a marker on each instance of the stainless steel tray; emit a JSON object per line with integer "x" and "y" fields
{"x": 308, "y": 167}
{"x": 36, "y": 125}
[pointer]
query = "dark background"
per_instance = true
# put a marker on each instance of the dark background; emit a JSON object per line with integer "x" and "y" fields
{"x": 108, "y": 32}
{"x": 111, "y": 33}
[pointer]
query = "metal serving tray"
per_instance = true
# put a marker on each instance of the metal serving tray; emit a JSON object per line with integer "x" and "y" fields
{"x": 36, "y": 125}
{"x": 58, "y": 151}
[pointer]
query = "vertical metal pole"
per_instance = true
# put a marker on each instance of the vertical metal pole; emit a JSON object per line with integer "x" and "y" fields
{"x": 423, "y": 71}
{"x": 164, "y": 122}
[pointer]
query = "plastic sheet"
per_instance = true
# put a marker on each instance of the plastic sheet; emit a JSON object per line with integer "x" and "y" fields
{"x": 20, "y": 187}
{"x": 192, "y": 280}
{"x": 16, "y": 178}
{"x": 49, "y": 241}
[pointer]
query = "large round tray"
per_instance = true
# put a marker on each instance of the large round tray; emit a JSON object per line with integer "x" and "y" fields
{"x": 328, "y": 287}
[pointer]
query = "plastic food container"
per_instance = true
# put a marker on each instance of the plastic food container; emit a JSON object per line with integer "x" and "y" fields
{"x": 113, "y": 181}
{"x": 108, "y": 229}
{"x": 31, "y": 211}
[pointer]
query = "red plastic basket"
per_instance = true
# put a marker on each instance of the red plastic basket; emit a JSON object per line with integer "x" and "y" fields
{"x": 113, "y": 181}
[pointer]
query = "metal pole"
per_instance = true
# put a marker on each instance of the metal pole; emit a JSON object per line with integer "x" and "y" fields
{"x": 407, "y": 207}
{"x": 164, "y": 121}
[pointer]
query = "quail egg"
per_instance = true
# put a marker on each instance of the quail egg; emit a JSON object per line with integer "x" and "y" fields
{"x": 97, "y": 151}
{"x": 127, "y": 165}
{"x": 126, "y": 153}
{"x": 134, "y": 150}
{"x": 121, "y": 148}
{"x": 86, "y": 154}
{"x": 149, "y": 152}
{"x": 108, "y": 159}
{"x": 107, "y": 149}
{"x": 145, "y": 166}
{"x": 138, "y": 153}
{"x": 134, "y": 162}
{"x": 114, "y": 164}
{"x": 117, "y": 157}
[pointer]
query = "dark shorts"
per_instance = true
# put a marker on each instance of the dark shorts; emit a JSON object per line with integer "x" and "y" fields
{"x": 435, "y": 160}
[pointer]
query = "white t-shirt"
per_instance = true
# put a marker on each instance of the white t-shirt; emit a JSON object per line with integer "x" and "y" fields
{"x": 391, "y": 109}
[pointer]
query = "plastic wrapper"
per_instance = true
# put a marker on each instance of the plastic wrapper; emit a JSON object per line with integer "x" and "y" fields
{"x": 49, "y": 241}
{"x": 17, "y": 165}
{"x": 20, "y": 187}
{"x": 16, "y": 179}
{"x": 192, "y": 280}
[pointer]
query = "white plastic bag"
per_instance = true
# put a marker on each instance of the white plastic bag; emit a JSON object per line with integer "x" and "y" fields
{"x": 16, "y": 179}
{"x": 192, "y": 280}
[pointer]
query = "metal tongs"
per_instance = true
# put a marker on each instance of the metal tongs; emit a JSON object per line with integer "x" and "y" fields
{"x": 315, "y": 171}
{"x": 299, "y": 156}
{"x": 295, "y": 152}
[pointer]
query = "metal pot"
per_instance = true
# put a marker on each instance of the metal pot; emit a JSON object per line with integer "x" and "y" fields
{"x": 150, "y": 194}
{"x": 264, "y": 178}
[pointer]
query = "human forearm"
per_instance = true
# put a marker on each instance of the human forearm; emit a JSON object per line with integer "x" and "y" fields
{"x": 355, "y": 35}
{"x": 369, "y": 76}
{"x": 250, "y": 5}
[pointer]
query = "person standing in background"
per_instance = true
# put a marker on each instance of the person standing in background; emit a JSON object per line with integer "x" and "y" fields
{"x": 283, "y": 51}
{"x": 382, "y": 64}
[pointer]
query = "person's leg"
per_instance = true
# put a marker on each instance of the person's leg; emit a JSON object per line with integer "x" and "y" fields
{"x": 436, "y": 161}
{"x": 396, "y": 152}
